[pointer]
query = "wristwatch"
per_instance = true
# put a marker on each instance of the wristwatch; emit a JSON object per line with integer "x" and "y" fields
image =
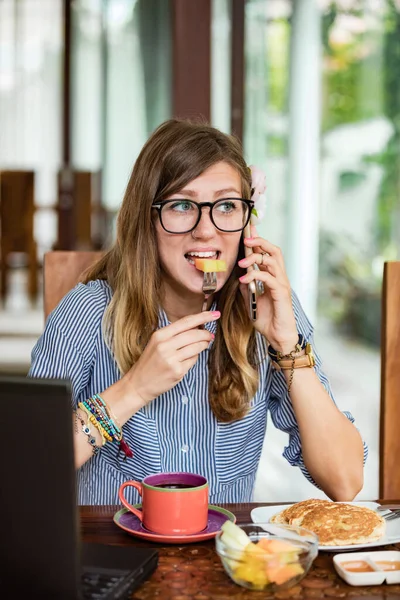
{"x": 301, "y": 360}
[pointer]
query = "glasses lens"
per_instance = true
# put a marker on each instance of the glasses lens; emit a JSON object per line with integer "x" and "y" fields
{"x": 179, "y": 215}
{"x": 230, "y": 214}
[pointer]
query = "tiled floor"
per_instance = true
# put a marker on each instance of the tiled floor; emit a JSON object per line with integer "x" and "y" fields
{"x": 352, "y": 368}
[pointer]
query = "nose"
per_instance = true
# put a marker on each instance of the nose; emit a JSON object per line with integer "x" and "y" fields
{"x": 205, "y": 228}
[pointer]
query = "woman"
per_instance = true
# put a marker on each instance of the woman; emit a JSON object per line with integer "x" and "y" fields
{"x": 191, "y": 389}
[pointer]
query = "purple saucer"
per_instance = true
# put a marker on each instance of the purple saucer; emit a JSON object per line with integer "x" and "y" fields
{"x": 132, "y": 525}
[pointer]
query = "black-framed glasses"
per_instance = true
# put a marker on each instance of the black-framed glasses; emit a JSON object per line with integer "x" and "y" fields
{"x": 182, "y": 216}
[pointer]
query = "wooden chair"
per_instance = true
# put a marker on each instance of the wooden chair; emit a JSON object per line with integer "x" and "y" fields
{"x": 16, "y": 228}
{"x": 389, "y": 470}
{"x": 81, "y": 218}
{"x": 61, "y": 272}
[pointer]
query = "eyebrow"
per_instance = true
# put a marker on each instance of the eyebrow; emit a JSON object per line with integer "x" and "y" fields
{"x": 193, "y": 193}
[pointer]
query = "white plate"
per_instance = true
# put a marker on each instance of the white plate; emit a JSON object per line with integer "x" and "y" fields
{"x": 263, "y": 514}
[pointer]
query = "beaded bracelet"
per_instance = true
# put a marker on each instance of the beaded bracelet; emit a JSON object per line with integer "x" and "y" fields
{"x": 112, "y": 418}
{"x": 92, "y": 410}
{"x": 99, "y": 410}
{"x": 87, "y": 431}
{"x": 102, "y": 410}
{"x": 104, "y": 435}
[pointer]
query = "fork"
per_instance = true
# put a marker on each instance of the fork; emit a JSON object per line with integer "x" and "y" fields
{"x": 209, "y": 287}
{"x": 392, "y": 515}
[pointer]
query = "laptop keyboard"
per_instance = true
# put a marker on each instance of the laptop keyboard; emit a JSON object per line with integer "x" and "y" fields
{"x": 106, "y": 585}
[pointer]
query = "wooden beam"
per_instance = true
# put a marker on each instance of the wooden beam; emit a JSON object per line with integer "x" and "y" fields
{"x": 238, "y": 67}
{"x": 389, "y": 447}
{"x": 66, "y": 200}
{"x": 191, "y": 29}
{"x": 66, "y": 97}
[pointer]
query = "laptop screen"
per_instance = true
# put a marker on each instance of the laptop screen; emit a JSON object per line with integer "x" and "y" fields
{"x": 39, "y": 536}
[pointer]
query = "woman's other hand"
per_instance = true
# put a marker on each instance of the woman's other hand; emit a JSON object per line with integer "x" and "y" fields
{"x": 169, "y": 355}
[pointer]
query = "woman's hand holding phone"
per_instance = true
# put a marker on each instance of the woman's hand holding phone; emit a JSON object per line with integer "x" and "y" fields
{"x": 252, "y": 287}
{"x": 275, "y": 318}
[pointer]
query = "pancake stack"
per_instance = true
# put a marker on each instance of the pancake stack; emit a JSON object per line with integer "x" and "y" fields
{"x": 335, "y": 523}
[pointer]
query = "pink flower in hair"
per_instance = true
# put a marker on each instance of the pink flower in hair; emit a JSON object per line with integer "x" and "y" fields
{"x": 258, "y": 187}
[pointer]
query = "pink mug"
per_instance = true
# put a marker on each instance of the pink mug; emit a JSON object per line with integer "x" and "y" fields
{"x": 172, "y": 503}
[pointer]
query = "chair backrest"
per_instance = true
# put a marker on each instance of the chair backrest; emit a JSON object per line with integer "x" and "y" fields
{"x": 389, "y": 470}
{"x": 61, "y": 272}
{"x": 78, "y": 217}
{"x": 17, "y": 210}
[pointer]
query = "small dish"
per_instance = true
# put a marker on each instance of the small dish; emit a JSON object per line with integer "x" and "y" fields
{"x": 132, "y": 525}
{"x": 384, "y": 566}
{"x": 287, "y": 560}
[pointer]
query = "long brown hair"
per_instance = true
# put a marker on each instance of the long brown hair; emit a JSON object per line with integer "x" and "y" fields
{"x": 176, "y": 153}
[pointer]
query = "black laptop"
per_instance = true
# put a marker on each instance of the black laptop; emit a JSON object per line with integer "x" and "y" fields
{"x": 40, "y": 552}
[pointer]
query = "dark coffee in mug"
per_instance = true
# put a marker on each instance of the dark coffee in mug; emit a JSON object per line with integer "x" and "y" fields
{"x": 175, "y": 486}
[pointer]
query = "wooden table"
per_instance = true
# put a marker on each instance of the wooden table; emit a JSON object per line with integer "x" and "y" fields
{"x": 194, "y": 571}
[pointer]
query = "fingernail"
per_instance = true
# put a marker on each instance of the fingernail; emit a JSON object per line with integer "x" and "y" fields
{"x": 216, "y": 313}
{"x": 241, "y": 261}
{"x": 213, "y": 336}
{"x": 242, "y": 277}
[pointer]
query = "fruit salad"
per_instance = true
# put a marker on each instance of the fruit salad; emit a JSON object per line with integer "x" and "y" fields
{"x": 260, "y": 563}
{"x": 210, "y": 265}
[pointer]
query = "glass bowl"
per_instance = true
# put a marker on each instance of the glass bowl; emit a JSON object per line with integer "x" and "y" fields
{"x": 275, "y": 565}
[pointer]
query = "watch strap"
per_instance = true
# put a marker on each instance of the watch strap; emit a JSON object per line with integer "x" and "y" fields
{"x": 297, "y": 362}
{"x": 301, "y": 345}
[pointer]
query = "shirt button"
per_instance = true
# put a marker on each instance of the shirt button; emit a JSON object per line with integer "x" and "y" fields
{"x": 185, "y": 448}
{"x": 185, "y": 399}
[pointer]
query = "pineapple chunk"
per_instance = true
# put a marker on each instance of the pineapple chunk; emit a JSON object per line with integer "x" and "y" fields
{"x": 284, "y": 573}
{"x": 253, "y": 572}
{"x": 210, "y": 265}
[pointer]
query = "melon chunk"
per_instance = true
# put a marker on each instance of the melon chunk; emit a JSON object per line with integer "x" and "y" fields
{"x": 276, "y": 546}
{"x": 210, "y": 265}
{"x": 283, "y": 573}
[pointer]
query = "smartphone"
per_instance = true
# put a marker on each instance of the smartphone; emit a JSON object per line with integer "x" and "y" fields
{"x": 252, "y": 285}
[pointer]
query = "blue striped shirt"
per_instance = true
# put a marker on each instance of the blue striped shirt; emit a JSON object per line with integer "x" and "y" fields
{"x": 177, "y": 431}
